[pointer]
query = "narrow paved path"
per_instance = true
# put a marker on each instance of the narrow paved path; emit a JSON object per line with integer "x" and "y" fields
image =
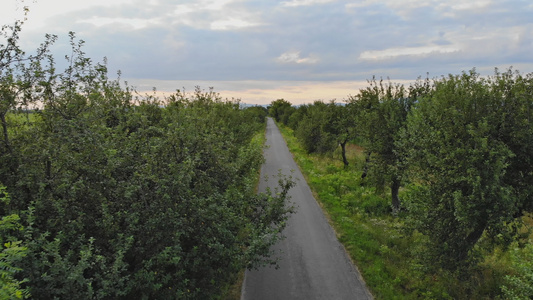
{"x": 313, "y": 265}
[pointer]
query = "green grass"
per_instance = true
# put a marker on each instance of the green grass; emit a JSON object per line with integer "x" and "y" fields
{"x": 380, "y": 244}
{"x": 233, "y": 291}
{"x": 19, "y": 121}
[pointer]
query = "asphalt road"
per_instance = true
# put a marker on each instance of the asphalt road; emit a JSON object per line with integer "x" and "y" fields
{"x": 314, "y": 265}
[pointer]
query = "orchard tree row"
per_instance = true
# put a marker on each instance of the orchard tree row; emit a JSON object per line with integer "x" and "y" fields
{"x": 460, "y": 148}
{"x": 106, "y": 194}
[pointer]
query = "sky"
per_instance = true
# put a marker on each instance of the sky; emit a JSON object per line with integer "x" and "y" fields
{"x": 299, "y": 50}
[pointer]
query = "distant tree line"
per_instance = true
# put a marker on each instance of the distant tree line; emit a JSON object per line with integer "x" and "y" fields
{"x": 105, "y": 194}
{"x": 461, "y": 146}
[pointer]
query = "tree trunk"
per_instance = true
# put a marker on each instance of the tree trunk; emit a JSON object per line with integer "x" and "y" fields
{"x": 344, "y": 159}
{"x": 5, "y": 132}
{"x": 395, "y": 187}
{"x": 367, "y": 163}
{"x": 470, "y": 241}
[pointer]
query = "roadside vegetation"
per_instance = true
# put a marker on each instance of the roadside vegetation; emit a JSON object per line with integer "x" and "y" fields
{"x": 431, "y": 193}
{"x": 108, "y": 194}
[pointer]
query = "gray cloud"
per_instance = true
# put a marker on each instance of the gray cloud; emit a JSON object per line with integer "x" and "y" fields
{"x": 299, "y": 40}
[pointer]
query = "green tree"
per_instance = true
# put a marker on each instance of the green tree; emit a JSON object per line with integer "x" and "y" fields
{"x": 322, "y": 127}
{"x": 512, "y": 115}
{"x": 20, "y": 73}
{"x": 296, "y": 117}
{"x": 382, "y": 110}
{"x": 341, "y": 125}
{"x": 127, "y": 197}
{"x": 11, "y": 252}
{"x": 281, "y": 110}
{"x": 311, "y": 129}
{"x": 460, "y": 142}
{"x": 257, "y": 114}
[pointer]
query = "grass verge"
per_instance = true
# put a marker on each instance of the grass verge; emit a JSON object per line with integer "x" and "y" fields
{"x": 385, "y": 250}
{"x": 233, "y": 291}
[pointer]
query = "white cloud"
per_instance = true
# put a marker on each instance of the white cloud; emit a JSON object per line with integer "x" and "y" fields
{"x": 453, "y": 8}
{"x": 295, "y": 3}
{"x": 204, "y": 5}
{"x": 216, "y": 4}
{"x": 134, "y": 23}
{"x": 214, "y": 15}
{"x": 395, "y": 52}
{"x": 399, "y": 6}
{"x": 232, "y": 23}
{"x": 294, "y": 57}
{"x": 43, "y": 11}
{"x": 470, "y": 5}
{"x": 407, "y": 9}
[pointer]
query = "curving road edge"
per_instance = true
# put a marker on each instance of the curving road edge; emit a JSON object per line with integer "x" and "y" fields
{"x": 314, "y": 265}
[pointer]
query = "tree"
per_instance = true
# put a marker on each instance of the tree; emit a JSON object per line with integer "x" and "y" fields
{"x": 12, "y": 251}
{"x": 322, "y": 127}
{"x": 340, "y": 124}
{"x": 382, "y": 110}
{"x": 123, "y": 197}
{"x": 257, "y": 114}
{"x": 297, "y": 116}
{"x": 281, "y": 110}
{"x": 512, "y": 115}
{"x": 461, "y": 141}
{"x": 311, "y": 129}
{"x": 19, "y": 75}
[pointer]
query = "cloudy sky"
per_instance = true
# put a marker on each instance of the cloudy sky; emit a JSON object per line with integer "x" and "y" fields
{"x": 299, "y": 50}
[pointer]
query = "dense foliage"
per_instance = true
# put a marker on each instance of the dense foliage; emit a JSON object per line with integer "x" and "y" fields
{"x": 469, "y": 146}
{"x": 519, "y": 284}
{"x": 382, "y": 110}
{"x": 12, "y": 253}
{"x": 281, "y": 110}
{"x": 322, "y": 127}
{"x": 461, "y": 147}
{"x": 311, "y": 129}
{"x": 116, "y": 196}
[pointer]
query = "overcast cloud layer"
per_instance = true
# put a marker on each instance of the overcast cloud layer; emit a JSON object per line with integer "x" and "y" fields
{"x": 300, "y": 50}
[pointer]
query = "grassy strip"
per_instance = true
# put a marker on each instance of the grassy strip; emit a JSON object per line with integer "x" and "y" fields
{"x": 358, "y": 216}
{"x": 233, "y": 291}
{"x": 380, "y": 244}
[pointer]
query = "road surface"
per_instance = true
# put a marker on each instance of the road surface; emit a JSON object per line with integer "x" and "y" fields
{"x": 314, "y": 265}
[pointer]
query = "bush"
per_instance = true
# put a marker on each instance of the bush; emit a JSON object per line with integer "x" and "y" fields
{"x": 124, "y": 197}
{"x": 12, "y": 251}
{"x": 519, "y": 285}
